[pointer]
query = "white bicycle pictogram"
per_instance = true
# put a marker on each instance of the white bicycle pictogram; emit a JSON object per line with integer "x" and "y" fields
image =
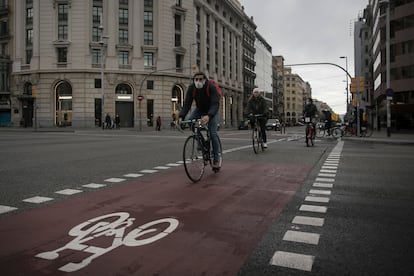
{"x": 110, "y": 225}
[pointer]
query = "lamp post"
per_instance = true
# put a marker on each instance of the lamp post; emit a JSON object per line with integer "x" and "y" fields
{"x": 346, "y": 68}
{"x": 190, "y": 65}
{"x": 388, "y": 73}
{"x": 102, "y": 56}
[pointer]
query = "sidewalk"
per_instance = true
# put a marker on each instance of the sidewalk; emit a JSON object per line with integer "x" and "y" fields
{"x": 400, "y": 137}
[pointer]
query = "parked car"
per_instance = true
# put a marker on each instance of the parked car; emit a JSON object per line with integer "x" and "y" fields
{"x": 243, "y": 125}
{"x": 273, "y": 124}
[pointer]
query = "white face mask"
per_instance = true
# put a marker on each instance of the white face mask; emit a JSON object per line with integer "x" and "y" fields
{"x": 199, "y": 84}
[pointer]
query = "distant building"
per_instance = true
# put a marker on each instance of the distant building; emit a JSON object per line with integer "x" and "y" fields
{"x": 401, "y": 61}
{"x": 278, "y": 87}
{"x": 263, "y": 69}
{"x": 76, "y": 60}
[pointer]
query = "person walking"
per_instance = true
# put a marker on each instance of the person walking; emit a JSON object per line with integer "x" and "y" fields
{"x": 256, "y": 105}
{"x": 207, "y": 107}
{"x": 158, "y": 124}
{"x": 117, "y": 121}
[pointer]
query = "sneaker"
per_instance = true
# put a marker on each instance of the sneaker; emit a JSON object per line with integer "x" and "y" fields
{"x": 265, "y": 145}
{"x": 216, "y": 164}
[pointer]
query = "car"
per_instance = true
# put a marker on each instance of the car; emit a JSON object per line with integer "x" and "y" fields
{"x": 243, "y": 125}
{"x": 273, "y": 124}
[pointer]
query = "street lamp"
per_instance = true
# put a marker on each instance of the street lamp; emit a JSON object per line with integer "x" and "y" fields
{"x": 191, "y": 46}
{"x": 346, "y": 68}
{"x": 102, "y": 48}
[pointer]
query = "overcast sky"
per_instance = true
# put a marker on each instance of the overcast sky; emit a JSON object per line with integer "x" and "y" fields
{"x": 308, "y": 31}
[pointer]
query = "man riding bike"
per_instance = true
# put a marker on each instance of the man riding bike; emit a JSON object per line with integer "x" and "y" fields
{"x": 207, "y": 106}
{"x": 257, "y": 105}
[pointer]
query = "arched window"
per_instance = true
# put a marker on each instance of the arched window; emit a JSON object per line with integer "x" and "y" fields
{"x": 27, "y": 89}
{"x": 123, "y": 89}
{"x": 63, "y": 104}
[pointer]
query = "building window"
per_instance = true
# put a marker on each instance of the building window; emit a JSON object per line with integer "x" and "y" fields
{"x": 29, "y": 16}
{"x": 178, "y": 61}
{"x": 29, "y": 37}
{"x": 62, "y": 55}
{"x": 148, "y": 38}
{"x": 148, "y": 3}
{"x": 150, "y": 84}
{"x": 123, "y": 16}
{"x": 98, "y": 83}
{"x": 148, "y": 59}
{"x": 96, "y": 56}
{"x": 63, "y": 32}
{"x": 97, "y": 12}
{"x": 148, "y": 19}
{"x": 123, "y": 36}
{"x": 123, "y": 57}
{"x": 96, "y": 34}
{"x": 178, "y": 3}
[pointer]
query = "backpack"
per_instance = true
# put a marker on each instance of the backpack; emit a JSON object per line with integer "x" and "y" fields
{"x": 216, "y": 85}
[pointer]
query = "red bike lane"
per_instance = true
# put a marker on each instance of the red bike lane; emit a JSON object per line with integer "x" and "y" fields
{"x": 159, "y": 224}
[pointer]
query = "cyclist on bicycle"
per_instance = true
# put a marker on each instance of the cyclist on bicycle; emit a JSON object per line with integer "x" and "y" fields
{"x": 310, "y": 111}
{"x": 207, "y": 107}
{"x": 257, "y": 105}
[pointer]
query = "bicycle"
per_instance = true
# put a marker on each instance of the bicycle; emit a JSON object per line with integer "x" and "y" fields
{"x": 309, "y": 132}
{"x": 365, "y": 131}
{"x": 322, "y": 130}
{"x": 257, "y": 139}
{"x": 198, "y": 151}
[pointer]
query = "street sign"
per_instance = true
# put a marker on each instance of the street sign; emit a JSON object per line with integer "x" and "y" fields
{"x": 140, "y": 97}
{"x": 389, "y": 92}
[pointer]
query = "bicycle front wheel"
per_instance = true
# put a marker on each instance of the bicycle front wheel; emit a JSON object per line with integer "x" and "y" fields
{"x": 320, "y": 132}
{"x": 193, "y": 159}
{"x": 255, "y": 140}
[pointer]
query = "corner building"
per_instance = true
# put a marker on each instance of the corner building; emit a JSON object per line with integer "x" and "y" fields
{"x": 75, "y": 61}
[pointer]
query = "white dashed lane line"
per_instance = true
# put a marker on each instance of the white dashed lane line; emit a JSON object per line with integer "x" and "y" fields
{"x": 318, "y": 195}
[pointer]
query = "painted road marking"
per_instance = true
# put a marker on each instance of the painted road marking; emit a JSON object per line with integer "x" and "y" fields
{"x": 312, "y": 221}
{"x": 115, "y": 180}
{"x": 148, "y": 171}
{"x": 330, "y": 167}
{"x": 328, "y": 171}
{"x": 173, "y": 164}
{"x": 37, "y": 199}
{"x": 320, "y": 192}
{"x": 313, "y": 208}
{"x": 133, "y": 175}
{"x": 5, "y": 209}
{"x": 326, "y": 174}
{"x": 161, "y": 168}
{"x": 68, "y": 192}
{"x": 324, "y": 179}
{"x": 317, "y": 199}
{"x": 93, "y": 185}
{"x": 322, "y": 185}
{"x": 303, "y": 237}
{"x": 292, "y": 260}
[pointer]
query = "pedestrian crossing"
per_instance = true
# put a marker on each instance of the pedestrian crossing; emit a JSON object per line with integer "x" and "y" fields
{"x": 311, "y": 213}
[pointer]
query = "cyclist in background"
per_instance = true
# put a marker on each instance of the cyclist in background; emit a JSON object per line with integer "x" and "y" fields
{"x": 311, "y": 111}
{"x": 256, "y": 105}
{"x": 207, "y": 107}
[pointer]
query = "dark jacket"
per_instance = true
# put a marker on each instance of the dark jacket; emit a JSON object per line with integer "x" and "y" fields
{"x": 256, "y": 105}
{"x": 207, "y": 104}
{"x": 310, "y": 110}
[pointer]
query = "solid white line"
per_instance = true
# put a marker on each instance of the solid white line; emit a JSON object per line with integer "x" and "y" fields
{"x": 320, "y": 192}
{"x": 308, "y": 221}
{"x": 322, "y": 185}
{"x": 68, "y": 192}
{"x": 313, "y": 208}
{"x": 37, "y": 199}
{"x": 292, "y": 260}
{"x": 5, "y": 209}
{"x": 317, "y": 199}
{"x": 303, "y": 237}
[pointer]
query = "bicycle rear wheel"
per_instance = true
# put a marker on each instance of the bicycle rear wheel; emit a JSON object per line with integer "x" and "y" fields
{"x": 255, "y": 140}
{"x": 336, "y": 132}
{"x": 193, "y": 159}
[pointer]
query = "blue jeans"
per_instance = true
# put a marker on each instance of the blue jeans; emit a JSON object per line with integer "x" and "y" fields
{"x": 212, "y": 128}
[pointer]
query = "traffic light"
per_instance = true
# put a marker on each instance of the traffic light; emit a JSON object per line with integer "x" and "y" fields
{"x": 361, "y": 84}
{"x": 354, "y": 88}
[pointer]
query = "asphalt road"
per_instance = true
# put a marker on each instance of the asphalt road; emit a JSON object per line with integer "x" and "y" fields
{"x": 252, "y": 218}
